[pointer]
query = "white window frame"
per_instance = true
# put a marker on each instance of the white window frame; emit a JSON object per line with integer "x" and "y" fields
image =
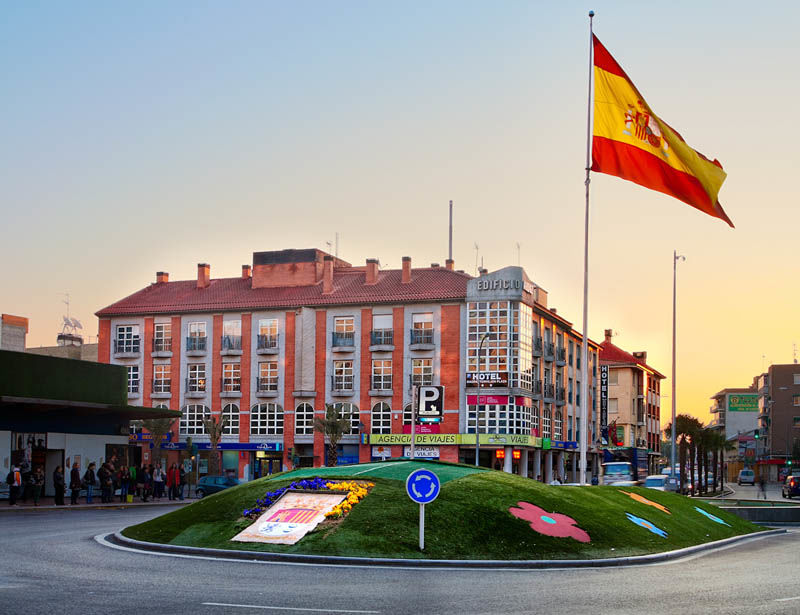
{"x": 381, "y": 375}
{"x": 422, "y": 372}
{"x": 266, "y": 419}
{"x": 191, "y": 421}
{"x": 342, "y": 374}
{"x": 304, "y": 420}
{"x": 342, "y": 407}
{"x": 127, "y": 338}
{"x": 197, "y": 328}
{"x": 268, "y": 376}
{"x": 133, "y": 379}
{"x": 162, "y": 375}
{"x": 196, "y": 372}
{"x": 231, "y": 377}
{"x": 231, "y": 412}
{"x": 381, "y": 418}
{"x": 162, "y": 337}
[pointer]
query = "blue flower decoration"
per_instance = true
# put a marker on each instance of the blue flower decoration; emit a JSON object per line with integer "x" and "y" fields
{"x": 710, "y": 516}
{"x": 646, "y": 525}
{"x": 271, "y": 496}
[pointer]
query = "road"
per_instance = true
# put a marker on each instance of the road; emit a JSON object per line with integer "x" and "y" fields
{"x": 749, "y": 492}
{"x": 50, "y": 564}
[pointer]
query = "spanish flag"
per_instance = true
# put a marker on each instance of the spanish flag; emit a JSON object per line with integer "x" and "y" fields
{"x": 631, "y": 142}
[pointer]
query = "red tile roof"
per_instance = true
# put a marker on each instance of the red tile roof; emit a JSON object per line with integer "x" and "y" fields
{"x": 233, "y": 294}
{"x": 609, "y": 353}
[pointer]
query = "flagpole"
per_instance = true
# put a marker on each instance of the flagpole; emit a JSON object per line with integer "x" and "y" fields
{"x": 585, "y": 342}
{"x": 675, "y": 258}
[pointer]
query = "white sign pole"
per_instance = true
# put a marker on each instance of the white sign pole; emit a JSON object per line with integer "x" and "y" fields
{"x": 422, "y": 527}
{"x": 414, "y": 401}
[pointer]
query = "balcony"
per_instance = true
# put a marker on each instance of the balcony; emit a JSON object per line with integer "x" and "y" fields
{"x": 536, "y": 388}
{"x": 420, "y": 380}
{"x": 343, "y": 341}
{"x": 381, "y": 386}
{"x": 267, "y": 387}
{"x": 230, "y": 345}
{"x": 196, "y": 345}
{"x": 537, "y": 346}
{"x": 231, "y": 387}
{"x": 381, "y": 340}
{"x": 561, "y": 356}
{"x": 421, "y": 339}
{"x": 342, "y": 386}
{"x": 195, "y": 387}
{"x": 128, "y": 348}
{"x": 267, "y": 344}
{"x": 561, "y": 397}
{"x": 549, "y": 351}
{"x": 162, "y": 388}
{"x": 549, "y": 392}
{"x": 162, "y": 348}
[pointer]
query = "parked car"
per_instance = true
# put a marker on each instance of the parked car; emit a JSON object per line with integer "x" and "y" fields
{"x": 746, "y": 476}
{"x": 791, "y": 486}
{"x": 213, "y": 484}
{"x": 661, "y": 482}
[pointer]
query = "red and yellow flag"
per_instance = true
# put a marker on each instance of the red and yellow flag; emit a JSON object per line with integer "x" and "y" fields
{"x": 631, "y": 142}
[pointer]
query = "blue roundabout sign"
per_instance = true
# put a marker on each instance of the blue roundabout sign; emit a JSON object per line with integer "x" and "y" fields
{"x": 423, "y": 486}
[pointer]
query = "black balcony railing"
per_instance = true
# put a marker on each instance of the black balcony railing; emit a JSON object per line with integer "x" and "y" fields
{"x": 162, "y": 385}
{"x": 342, "y": 383}
{"x": 422, "y": 336}
{"x": 264, "y": 385}
{"x": 231, "y": 342}
{"x": 379, "y": 337}
{"x": 231, "y": 385}
{"x": 266, "y": 342}
{"x": 162, "y": 344}
{"x": 561, "y": 355}
{"x": 537, "y": 387}
{"x": 133, "y": 386}
{"x": 420, "y": 380}
{"x": 382, "y": 383}
{"x": 537, "y": 346}
{"x": 549, "y": 349}
{"x": 195, "y": 385}
{"x": 195, "y": 343}
{"x": 128, "y": 345}
{"x": 549, "y": 390}
{"x": 560, "y": 394}
{"x": 343, "y": 338}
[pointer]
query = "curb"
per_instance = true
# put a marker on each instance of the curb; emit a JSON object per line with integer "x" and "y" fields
{"x": 259, "y": 556}
{"x": 99, "y": 506}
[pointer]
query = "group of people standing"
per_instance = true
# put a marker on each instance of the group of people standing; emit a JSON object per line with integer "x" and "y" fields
{"x": 144, "y": 481}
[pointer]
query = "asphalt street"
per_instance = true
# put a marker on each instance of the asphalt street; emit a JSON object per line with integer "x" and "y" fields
{"x": 50, "y": 563}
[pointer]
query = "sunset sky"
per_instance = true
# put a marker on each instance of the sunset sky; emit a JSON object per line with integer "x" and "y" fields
{"x": 151, "y": 136}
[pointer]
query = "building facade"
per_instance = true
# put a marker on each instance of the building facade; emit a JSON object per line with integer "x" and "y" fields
{"x": 735, "y": 411}
{"x": 634, "y": 399}
{"x": 301, "y": 329}
{"x": 778, "y": 412}
{"x": 13, "y": 330}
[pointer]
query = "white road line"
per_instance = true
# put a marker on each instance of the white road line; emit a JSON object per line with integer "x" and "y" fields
{"x": 284, "y": 608}
{"x": 787, "y": 599}
{"x": 399, "y": 463}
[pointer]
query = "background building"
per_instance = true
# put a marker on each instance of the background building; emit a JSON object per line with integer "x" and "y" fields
{"x": 778, "y": 408}
{"x": 13, "y": 330}
{"x": 301, "y": 329}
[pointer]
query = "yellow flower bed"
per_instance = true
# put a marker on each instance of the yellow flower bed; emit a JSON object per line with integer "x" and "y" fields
{"x": 356, "y": 492}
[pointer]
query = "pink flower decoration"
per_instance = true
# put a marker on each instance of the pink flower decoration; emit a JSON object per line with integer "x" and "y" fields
{"x": 549, "y": 524}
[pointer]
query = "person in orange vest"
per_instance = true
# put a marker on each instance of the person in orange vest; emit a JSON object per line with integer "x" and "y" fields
{"x": 14, "y": 480}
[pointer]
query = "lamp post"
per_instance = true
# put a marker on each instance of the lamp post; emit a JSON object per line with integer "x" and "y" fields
{"x": 478, "y": 405}
{"x": 675, "y": 258}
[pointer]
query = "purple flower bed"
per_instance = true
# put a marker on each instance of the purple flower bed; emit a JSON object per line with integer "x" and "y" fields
{"x": 270, "y": 497}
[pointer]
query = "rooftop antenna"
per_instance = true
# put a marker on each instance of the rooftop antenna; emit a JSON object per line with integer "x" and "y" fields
{"x": 336, "y": 254}
{"x": 450, "y": 234}
{"x": 794, "y": 352}
{"x": 330, "y": 246}
{"x": 476, "y": 257}
{"x": 66, "y": 302}
{"x": 519, "y": 258}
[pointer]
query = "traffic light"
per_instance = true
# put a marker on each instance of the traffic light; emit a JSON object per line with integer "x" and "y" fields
{"x": 789, "y": 462}
{"x": 757, "y": 435}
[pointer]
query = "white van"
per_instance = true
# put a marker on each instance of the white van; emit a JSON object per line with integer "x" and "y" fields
{"x": 746, "y": 476}
{"x": 618, "y": 473}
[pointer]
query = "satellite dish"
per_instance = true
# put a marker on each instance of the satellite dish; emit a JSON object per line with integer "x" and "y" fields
{"x": 67, "y": 321}
{"x": 76, "y": 323}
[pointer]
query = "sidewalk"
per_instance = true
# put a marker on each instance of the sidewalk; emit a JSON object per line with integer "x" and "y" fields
{"x": 48, "y": 503}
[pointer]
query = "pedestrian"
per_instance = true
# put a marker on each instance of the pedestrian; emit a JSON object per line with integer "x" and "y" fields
{"x": 37, "y": 481}
{"x": 762, "y": 486}
{"x": 26, "y": 489}
{"x": 147, "y": 482}
{"x": 14, "y": 480}
{"x": 140, "y": 472}
{"x": 158, "y": 482}
{"x": 90, "y": 480}
{"x": 181, "y": 482}
{"x": 74, "y": 483}
{"x": 123, "y": 478}
{"x": 104, "y": 475}
{"x": 58, "y": 485}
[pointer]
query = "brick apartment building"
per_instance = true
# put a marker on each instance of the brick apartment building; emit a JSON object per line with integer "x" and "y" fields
{"x": 634, "y": 398}
{"x": 301, "y": 329}
{"x": 779, "y": 415}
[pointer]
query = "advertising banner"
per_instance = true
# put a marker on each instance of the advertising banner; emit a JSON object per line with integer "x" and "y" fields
{"x": 488, "y": 379}
{"x": 422, "y": 452}
{"x": 423, "y": 428}
{"x": 290, "y": 518}
{"x": 382, "y": 451}
{"x": 743, "y": 403}
{"x": 487, "y": 399}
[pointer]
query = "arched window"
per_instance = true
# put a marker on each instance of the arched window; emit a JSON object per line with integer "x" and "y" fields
{"x": 231, "y": 412}
{"x": 557, "y": 426}
{"x": 304, "y": 420}
{"x": 407, "y": 415}
{"x": 546, "y": 421}
{"x": 381, "y": 418}
{"x": 266, "y": 420}
{"x": 344, "y": 408}
{"x": 192, "y": 416}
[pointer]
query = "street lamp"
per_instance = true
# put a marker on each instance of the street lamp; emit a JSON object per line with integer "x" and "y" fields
{"x": 478, "y": 405}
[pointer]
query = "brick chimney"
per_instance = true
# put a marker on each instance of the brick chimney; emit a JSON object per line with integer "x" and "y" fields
{"x": 609, "y": 334}
{"x": 203, "y": 275}
{"x": 641, "y": 355}
{"x": 327, "y": 275}
{"x": 162, "y": 277}
{"x": 246, "y": 271}
{"x": 372, "y": 271}
{"x": 482, "y": 271}
{"x": 406, "y": 277}
{"x": 449, "y": 264}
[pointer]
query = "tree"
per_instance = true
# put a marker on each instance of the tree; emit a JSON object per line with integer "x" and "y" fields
{"x": 333, "y": 427}
{"x": 214, "y": 429}
{"x": 685, "y": 428}
{"x": 158, "y": 428}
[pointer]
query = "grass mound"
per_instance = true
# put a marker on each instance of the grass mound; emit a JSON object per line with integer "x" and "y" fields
{"x": 469, "y": 520}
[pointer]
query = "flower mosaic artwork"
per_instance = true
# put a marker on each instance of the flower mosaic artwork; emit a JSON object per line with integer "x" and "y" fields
{"x": 357, "y": 490}
{"x": 646, "y": 525}
{"x": 355, "y": 493}
{"x": 710, "y": 516}
{"x": 644, "y": 500}
{"x": 549, "y": 524}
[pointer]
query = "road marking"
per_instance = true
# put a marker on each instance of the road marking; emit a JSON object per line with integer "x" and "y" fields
{"x": 370, "y": 469}
{"x": 787, "y": 599}
{"x": 284, "y": 608}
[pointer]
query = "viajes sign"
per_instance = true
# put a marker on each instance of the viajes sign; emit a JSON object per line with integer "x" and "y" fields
{"x": 445, "y": 439}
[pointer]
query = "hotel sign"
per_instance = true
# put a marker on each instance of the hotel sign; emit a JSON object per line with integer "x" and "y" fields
{"x": 488, "y": 379}
{"x": 603, "y": 398}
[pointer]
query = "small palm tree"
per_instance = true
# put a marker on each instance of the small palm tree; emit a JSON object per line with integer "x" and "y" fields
{"x": 685, "y": 428}
{"x": 333, "y": 427}
{"x": 158, "y": 428}
{"x": 214, "y": 429}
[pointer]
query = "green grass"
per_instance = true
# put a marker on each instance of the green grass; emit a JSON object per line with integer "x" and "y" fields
{"x": 398, "y": 470}
{"x": 469, "y": 520}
